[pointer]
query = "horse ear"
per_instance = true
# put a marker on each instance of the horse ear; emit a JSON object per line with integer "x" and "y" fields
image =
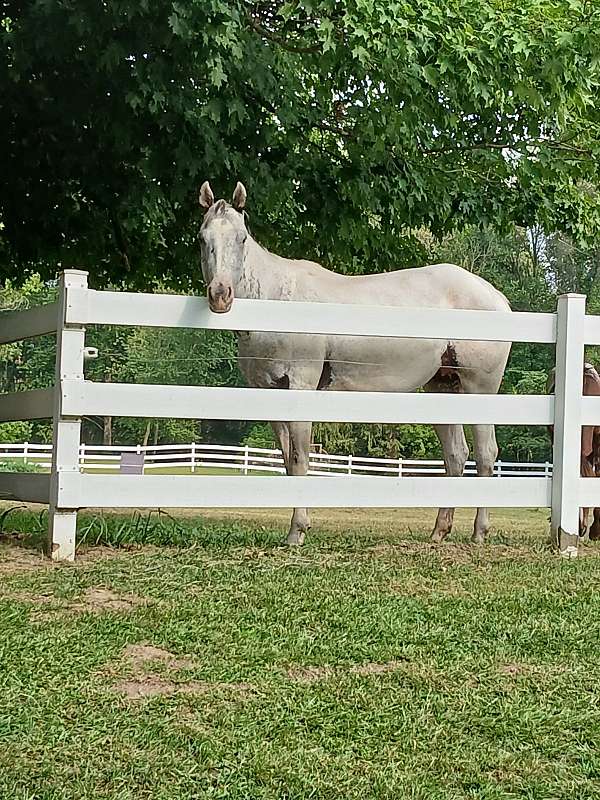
{"x": 206, "y": 197}
{"x": 239, "y": 197}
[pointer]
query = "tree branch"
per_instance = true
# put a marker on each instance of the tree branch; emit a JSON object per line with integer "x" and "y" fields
{"x": 273, "y": 37}
{"x": 322, "y": 126}
{"x": 563, "y": 146}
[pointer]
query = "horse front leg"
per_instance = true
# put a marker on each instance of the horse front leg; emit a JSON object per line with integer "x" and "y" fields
{"x": 299, "y": 447}
{"x": 456, "y": 453}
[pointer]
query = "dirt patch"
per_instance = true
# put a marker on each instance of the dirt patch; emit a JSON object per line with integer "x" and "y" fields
{"x": 95, "y": 600}
{"x": 140, "y": 655}
{"x": 516, "y": 668}
{"x": 513, "y": 669}
{"x": 99, "y": 599}
{"x": 152, "y": 686}
{"x": 14, "y": 560}
{"x": 146, "y": 664}
{"x": 309, "y": 674}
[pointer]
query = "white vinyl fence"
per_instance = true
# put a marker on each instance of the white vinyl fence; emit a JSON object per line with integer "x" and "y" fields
{"x": 246, "y": 460}
{"x": 67, "y": 489}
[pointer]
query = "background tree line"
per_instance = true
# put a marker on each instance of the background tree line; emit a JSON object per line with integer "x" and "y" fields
{"x": 372, "y": 135}
{"x": 529, "y": 268}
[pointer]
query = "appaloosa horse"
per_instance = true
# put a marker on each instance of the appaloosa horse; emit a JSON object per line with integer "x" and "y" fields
{"x": 590, "y": 448}
{"x": 234, "y": 265}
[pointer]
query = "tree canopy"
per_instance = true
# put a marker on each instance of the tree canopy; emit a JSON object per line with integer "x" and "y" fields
{"x": 351, "y": 124}
{"x": 371, "y": 135}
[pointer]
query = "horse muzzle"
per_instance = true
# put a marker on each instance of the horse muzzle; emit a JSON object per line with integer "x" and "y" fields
{"x": 220, "y": 298}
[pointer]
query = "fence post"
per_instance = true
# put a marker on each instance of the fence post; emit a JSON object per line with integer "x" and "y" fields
{"x": 350, "y": 464}
{"x": 567, "y": 423}
{"x": 193, "y": 457}
{"x": 245, "y": 469}
{"x": 25, "y": 446}
{"x": 138, "y": 452}
{"x": 399, "y": 467}
{"x": 499, "y": 468}
{"x": 70, "y": 343}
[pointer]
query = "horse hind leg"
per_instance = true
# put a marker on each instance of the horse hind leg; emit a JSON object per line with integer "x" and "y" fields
{"x": 456, "y": 452}
{"x": 282, "y": 432}
{"x": 485, "y": 450}
{"x": 299, "y": 447}
{"x": 595, "y": 529}
{"x": 484, "y": 436}
{"x": 454, "y": 444}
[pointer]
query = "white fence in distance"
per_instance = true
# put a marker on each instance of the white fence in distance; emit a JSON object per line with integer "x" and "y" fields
{"x": 246, "y": 460}
{"x": 67, "y": 489}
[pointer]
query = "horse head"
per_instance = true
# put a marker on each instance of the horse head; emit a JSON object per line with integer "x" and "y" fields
{"x": 223, "y": 236}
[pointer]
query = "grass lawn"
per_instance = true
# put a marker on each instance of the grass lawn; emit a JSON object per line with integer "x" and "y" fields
{"x": 192, "y": 656}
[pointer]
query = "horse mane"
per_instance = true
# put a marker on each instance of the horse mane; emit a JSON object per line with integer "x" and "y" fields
{"x": 220, "y": 209}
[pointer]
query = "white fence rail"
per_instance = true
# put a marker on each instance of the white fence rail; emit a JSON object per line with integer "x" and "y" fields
{"x": 67, "y": 488}
{"x": 244, "y": 459}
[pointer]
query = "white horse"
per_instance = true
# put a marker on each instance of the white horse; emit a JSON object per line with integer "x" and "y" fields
{"x": 234, "y": 265}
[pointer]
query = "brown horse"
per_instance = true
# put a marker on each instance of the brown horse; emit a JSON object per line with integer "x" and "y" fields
{"x": 590, "y": 448}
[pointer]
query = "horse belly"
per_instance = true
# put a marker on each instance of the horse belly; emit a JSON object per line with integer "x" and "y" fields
{"x": 275, "y": 360}
{"x": 381, "y": 365}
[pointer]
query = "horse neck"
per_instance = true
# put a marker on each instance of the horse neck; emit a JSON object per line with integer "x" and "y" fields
{"x": 259, "y": 278}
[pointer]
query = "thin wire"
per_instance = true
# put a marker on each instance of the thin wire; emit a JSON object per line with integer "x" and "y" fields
{"x": 275, "y": 361}
{"x": 231, "y": 359}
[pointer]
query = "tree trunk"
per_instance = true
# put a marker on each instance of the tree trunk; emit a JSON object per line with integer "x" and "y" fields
{"x": 147, "y": 432}
{"x": 107, "y": 431}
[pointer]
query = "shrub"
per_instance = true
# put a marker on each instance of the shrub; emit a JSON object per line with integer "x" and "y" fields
{"x": 16, "y": 465}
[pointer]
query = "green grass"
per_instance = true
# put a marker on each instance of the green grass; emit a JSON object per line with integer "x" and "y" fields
{"x": 369, "y": 664}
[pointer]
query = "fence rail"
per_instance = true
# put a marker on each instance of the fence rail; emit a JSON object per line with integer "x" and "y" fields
{"x": 194, "y": 457}
{"x": 67, "y": 488}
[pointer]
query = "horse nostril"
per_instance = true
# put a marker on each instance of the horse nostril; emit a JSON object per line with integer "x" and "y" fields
{"x": 229, "y": 292}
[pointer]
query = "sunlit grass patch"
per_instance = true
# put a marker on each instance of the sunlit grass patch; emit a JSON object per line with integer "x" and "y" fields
{"x": 193, "y": 656}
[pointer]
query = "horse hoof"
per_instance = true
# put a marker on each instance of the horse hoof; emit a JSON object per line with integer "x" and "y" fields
{"x": 478, "y": 538}
{"x": 295, "y": 538}
{"x": 437, "y": 537}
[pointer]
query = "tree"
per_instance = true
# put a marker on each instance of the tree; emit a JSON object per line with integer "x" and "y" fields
{"x": 174, "y": 356}
{"x": 28, "y": 364}
{"x": 349, "y": 122}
